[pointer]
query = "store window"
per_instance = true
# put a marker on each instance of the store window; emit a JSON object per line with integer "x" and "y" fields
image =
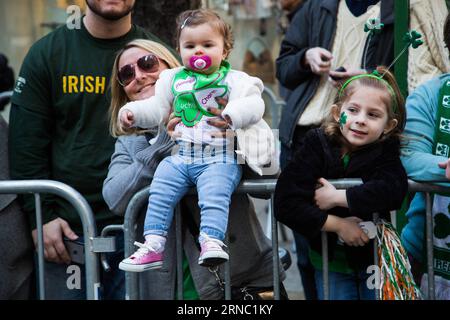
{"x": 24, "y": 21}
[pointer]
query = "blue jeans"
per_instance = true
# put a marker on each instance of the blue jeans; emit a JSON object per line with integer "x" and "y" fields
{"x": 174, "y": 176}
{"x": 113, "y": 281}
{"x": 305, "y": 266}
{"x": 345, "y": 286}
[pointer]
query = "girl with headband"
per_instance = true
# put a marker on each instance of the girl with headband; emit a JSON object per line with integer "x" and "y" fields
{"x": 359, "y": 139}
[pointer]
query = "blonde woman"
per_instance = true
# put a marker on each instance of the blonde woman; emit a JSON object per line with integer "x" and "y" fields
{"x": 133, "y": 163}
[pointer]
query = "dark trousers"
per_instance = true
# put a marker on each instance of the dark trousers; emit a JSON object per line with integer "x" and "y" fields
{"x": 307, "y": 272}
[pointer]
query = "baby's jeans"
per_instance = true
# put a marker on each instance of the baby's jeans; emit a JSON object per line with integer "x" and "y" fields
{"x": 216, "y": 179}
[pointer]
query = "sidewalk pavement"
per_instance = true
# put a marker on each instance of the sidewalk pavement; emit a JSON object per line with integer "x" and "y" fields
{"x": 292, "y": 283}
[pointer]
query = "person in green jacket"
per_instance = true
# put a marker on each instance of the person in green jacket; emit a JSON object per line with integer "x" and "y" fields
{"x": 59, "y": 131}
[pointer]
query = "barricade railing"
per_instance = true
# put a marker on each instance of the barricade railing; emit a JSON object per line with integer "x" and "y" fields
{"x": 84, "y": 211}
{"x": 276, "y": 104}
{"x": 262, "y": 187}
{"x": 266, "y": 187}
{"x": 413, "y": 186}
{"x": 94, "y": 245}
{"x": 6, "y": 95}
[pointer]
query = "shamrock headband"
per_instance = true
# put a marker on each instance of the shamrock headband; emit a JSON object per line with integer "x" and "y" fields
{"x": 374, "y": 75}
{"x": 374, "y": 26}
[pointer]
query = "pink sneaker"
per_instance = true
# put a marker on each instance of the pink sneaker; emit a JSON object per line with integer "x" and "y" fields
{"x": 211, "y": 253}
{"x": 145, "y": 258}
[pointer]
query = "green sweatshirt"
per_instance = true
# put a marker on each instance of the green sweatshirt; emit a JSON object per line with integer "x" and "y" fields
{"x": 59, "y": 119}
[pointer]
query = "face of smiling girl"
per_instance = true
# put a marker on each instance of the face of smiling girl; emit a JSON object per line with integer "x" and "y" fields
{"x": 363, "y": 117}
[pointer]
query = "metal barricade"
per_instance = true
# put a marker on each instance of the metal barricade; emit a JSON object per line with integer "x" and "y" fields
{"x": 87, "y": 218}
{"x": 413, "y": 186}
{"x": 267, "y": 187}
{"x": 338, "y": 184}
{"x": 263, "y": 187}
{"x": 276, "y": 104}
{"x": 6, "y": 95}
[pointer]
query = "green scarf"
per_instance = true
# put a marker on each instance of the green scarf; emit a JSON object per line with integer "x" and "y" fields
{"x": 195, "y": 92}
{"x": 441, "y": 202}
{"x": 442, "y": 133}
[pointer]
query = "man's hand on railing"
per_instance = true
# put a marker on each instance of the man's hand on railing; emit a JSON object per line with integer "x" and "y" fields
{"x": 445, "y": 165}
{"x": 54, "y": 248}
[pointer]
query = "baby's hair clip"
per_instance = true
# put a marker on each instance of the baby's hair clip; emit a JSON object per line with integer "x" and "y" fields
{"x": 184, "y": 23}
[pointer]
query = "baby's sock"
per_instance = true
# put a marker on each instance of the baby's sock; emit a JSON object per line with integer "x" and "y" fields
{"x": 156, "y": 242}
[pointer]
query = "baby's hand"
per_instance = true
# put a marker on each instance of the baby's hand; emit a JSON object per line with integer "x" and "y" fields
{"x": 351, "y": 233}
{"x": 126, "y": 119}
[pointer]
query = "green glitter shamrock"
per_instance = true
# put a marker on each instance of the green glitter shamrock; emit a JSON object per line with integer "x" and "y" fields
{"x": 373, "y": 26}
{"x": 413, "y": 38}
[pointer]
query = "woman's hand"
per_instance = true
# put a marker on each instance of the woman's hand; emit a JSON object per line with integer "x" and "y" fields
{"x": 220, "y": 122}
{"x": 171, "y": 124}
{"x": 328, "y": 197}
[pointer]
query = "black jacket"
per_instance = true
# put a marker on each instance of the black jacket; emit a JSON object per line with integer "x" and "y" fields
{"x": 314, "y": 25}
{"x": 384, "y": 186}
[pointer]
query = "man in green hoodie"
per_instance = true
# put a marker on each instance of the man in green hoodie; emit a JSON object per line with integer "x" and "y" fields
{"x": 59, "y": 130}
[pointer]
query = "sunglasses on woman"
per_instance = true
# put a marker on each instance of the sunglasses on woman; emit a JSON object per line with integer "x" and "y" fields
{"x": 127, "y": 73}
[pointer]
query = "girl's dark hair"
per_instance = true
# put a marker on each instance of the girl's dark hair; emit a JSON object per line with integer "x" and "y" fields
{"x": 191, "y": 18}
{"x": 396, "y": 102}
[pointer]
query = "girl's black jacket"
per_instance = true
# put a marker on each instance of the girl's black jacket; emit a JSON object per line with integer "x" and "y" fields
{"x": 384, "y": 187}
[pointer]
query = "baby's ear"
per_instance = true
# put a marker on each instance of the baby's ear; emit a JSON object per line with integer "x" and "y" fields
{"x": 390, "y": 126}
{"x": 225, "y": 54}
{"x": 335, "y": 112}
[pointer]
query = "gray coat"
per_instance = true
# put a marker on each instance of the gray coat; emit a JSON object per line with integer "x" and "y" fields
{"x": 132, "y": 166}
{"x": 16, "y": 249}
